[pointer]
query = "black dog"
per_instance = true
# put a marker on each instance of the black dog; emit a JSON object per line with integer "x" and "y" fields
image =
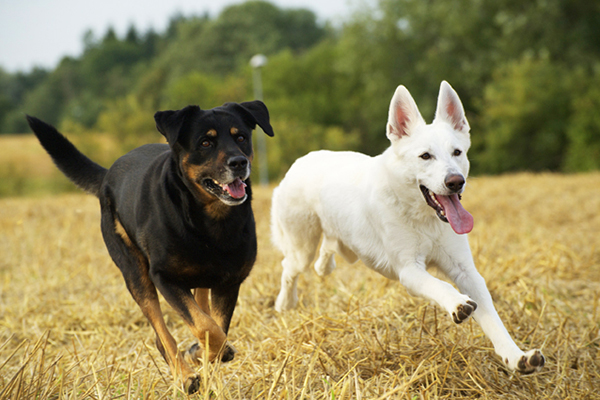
{"x": 178, "y": 217}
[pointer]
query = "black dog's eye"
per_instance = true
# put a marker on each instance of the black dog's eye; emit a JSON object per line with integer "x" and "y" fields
{"x": 425, "y": 156}
{"x": 240, "y": 139}
{"x": 205, "y": 143}
{"x": 457, "y": 152}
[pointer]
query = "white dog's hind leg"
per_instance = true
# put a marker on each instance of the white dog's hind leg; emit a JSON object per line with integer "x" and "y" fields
{"x": 325, "y": 264}
{"x": 296, "y": 232}
{"x": 469, "y": 281}
{"x": 288, "y": 294}
{"x": 299, "y": 254}
{"x": 420, "y": 283}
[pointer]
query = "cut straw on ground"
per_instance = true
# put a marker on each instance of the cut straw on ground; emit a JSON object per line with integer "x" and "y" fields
{"x": 70, "y": 330}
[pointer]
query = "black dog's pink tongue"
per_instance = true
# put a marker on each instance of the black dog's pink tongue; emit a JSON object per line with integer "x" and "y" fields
{"x": 236, "y": 189}
{"x": 460, "y": 219}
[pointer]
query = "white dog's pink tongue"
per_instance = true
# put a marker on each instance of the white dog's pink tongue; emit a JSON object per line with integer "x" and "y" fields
{"x": 236, "y": 189}
{"x": 460, "y": 219}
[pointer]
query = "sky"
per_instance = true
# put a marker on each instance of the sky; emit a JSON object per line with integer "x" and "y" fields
{"x": 41, "y": 32}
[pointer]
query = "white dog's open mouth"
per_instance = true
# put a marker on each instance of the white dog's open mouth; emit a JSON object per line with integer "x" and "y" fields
{"x": 449, "y": 209}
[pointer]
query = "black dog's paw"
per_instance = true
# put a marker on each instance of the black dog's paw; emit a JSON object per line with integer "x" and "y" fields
{"x": 532, "y": 361}
{"x": 191, "y": 355}
{"x": 192, "y": 384}
{"x": 228, "y": 353}
{"x": 464, "y": 311}
{"x": 195, "y": 352}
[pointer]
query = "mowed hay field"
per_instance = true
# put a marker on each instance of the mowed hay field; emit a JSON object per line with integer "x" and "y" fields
{"x": 70, "y": 330}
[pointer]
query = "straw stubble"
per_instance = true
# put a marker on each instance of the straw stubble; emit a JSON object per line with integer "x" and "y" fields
{"x": 70, "y": 330}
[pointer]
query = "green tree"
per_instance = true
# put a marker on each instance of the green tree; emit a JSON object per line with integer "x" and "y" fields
{"x": 129, "y": 121}
{"x": 207, "y": 91}
{"x": 222, "y": 45}
{"x": 306, "y": 86}
{"x": 524, "y": 118}
{"x": 583, "y": 132}
{"x": 13, "y": 90}
{"x": 106, "y": 68}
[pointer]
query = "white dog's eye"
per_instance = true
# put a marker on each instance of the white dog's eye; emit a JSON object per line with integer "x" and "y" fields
{"x": 457, "y": 152}
{"x": 425, "y": 156}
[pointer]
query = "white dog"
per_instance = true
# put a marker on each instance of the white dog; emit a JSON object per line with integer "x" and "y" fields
{"x": 399, "y": 213}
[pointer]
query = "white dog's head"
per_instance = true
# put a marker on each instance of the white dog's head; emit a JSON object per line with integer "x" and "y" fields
{"x": 433, "y": 157}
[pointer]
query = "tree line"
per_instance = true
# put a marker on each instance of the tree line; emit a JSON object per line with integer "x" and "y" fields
{"x": 528, "y": 74}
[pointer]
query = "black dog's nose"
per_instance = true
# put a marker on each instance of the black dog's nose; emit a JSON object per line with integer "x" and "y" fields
{"x": 455, "y": 182}
{"x": 237, "y": 163}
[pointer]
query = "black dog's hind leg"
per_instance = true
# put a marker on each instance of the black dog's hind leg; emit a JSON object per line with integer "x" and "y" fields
{"x": 134, "y": 267}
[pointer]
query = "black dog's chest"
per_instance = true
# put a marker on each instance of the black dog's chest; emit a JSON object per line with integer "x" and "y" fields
{"x": 206, "y": 262}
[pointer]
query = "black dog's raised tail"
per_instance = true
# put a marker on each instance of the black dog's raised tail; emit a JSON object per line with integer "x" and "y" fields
{"x": 82, "y": 171}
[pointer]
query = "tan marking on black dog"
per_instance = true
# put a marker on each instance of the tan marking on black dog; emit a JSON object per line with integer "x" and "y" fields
{"x": 192, "y": 173}
{"x": 234, "y": 131}
{"x": 121, "y": 232}
{"x": 213, "y": 207}
{"x": 212, "y": 133}
{"x": 201, "y": 296}
{"x": 216, "y": 210}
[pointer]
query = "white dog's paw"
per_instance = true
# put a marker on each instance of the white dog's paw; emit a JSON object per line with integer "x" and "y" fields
{"x": 285, "y": 301}
{"x": 530, "y": 362}
{"x": 464, "y": 311}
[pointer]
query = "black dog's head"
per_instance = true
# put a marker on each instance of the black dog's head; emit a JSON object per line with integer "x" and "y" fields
{"x": 213, "y": 148}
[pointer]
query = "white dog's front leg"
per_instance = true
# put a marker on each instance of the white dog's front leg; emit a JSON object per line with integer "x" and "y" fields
{"x": 469, "y": 281}
{"x": 420, "y": 283}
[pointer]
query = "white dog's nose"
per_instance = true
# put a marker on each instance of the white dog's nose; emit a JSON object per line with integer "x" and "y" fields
{"x": 455, "y": 182}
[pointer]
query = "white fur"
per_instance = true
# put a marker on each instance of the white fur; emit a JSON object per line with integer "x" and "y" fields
{"x": 372, "y": 208}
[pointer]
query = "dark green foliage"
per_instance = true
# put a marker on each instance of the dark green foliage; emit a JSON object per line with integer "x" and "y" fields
{"x": 525, "y": 118}
{"x": 527, "y": 73}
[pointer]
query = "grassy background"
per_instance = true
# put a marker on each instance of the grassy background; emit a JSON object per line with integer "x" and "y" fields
{"x": 27, "y": 170}
{"x": 70, "y": 330}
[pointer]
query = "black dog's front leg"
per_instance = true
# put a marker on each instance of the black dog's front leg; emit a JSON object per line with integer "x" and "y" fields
{"x": 223, "y": 301}
{"x": 198, "y": 321}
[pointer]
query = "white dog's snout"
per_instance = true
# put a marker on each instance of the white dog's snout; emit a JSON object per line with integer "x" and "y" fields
{"x": 454, "y": 182}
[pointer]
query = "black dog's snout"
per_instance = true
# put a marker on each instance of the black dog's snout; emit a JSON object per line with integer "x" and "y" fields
{"x": 455, "y": 182}
{"x": 237, "y": 163}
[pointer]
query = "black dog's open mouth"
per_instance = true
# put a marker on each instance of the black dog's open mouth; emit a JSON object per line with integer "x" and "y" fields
{"x": 449, "y": 209}
{"x": 234, "y": 191}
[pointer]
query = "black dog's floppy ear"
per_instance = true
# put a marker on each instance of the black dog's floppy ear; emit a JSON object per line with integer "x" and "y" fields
{"x": 170, "y": 122}
{"x": 257, "y": 113}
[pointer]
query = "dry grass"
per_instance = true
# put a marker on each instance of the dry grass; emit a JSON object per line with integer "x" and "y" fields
{"x": 70, "y": 330}
{"x": 27, "y": 170}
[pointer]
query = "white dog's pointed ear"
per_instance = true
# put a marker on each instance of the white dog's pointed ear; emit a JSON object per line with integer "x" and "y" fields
{"x": 403, "y": 116}
{"x": 450, "y": 109}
